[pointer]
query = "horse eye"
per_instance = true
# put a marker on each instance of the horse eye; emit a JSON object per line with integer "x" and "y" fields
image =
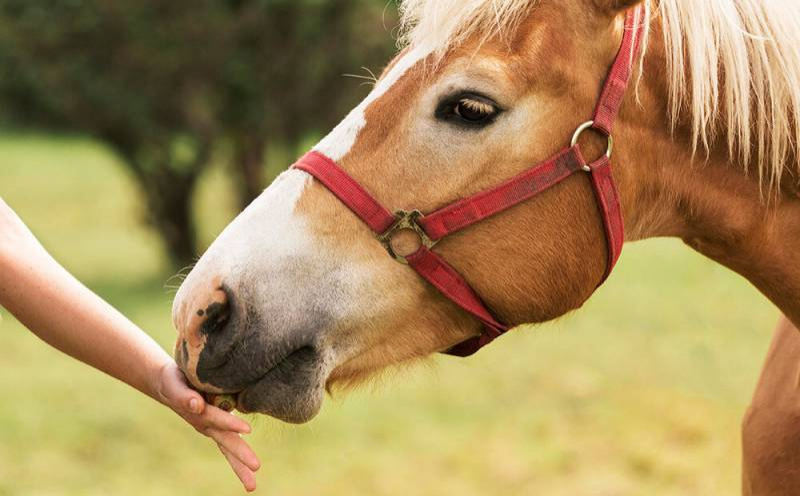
{"x": 471, "y": 110}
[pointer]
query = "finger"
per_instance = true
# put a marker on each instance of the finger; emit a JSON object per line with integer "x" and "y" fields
{"x": 194, "y": 402}
{"x": 176, "y": 390}
{"x": 237, "y": 447}
{"x": 189, "y": 400}
{"x": 186, "y": 396}
{"x": 224, "y": 421}
{"x": 244, "y": 474}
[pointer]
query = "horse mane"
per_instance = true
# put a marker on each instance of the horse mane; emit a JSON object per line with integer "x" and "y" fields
{"x": 733, "y": 66}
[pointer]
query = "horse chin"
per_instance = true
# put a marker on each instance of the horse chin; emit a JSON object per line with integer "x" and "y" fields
{"x": 292, "y": 391}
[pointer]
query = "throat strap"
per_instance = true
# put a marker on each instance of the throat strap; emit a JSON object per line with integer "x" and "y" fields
{"x": 434, "y": 226}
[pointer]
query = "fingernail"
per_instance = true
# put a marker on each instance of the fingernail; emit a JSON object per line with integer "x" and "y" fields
{"x": 194, "y": 405}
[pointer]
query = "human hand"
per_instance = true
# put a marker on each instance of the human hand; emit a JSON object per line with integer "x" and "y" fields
{"x": 225, "y": 429}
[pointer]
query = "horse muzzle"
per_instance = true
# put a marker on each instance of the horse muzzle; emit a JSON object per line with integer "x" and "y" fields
{"x": 226, "y": 346}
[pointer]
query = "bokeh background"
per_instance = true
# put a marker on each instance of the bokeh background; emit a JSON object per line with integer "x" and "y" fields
{"x": 132, "y": 132}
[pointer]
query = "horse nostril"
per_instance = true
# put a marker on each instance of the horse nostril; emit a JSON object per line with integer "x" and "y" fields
{"x": 205, "y": 311}
{"x": 216, "y": 314}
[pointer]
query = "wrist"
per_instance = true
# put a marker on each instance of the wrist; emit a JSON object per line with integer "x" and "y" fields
{"x": 156, "y": 379}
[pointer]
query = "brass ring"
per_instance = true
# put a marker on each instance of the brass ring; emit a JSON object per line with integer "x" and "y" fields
{"x": 405, "y": 221}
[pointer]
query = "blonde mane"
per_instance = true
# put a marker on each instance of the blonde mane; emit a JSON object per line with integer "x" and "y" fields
{"x": 733, "y": 66}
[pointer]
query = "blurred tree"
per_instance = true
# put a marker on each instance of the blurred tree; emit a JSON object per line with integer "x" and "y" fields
{"x": 164, "y": 82}
{"x": 292, "y": 56}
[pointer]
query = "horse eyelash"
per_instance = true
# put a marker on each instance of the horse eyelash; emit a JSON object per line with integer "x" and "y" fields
{"x": 478, "y": 105}
{"x": 445, "y": 110}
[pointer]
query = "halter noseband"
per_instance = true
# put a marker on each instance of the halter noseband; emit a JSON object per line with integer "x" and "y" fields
{"x": 432, "y": 227}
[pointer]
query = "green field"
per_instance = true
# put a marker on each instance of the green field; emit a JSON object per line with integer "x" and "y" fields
{"x": 639, "y": 393}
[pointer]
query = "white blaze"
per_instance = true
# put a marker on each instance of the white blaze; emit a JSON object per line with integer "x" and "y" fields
{"x": 269, "y": 234}
{"x": 269, "y": 254}
{"x": 336, "y": 144}
{"x": 270, "y": 223}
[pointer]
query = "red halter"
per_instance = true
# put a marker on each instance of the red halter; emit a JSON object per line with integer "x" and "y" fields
{"x": 432, "y": 227}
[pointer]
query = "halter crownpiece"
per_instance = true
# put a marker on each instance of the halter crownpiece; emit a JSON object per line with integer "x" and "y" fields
{"x": 432, "y": 227}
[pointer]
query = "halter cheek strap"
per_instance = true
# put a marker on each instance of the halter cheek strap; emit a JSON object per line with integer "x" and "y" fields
{"x": 434, "y": 226}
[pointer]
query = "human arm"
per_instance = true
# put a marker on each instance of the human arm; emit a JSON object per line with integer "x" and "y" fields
{"x": 60, "y": 310}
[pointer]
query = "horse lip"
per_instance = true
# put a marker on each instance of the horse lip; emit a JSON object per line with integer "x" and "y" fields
{"x": 276, "y": 385}
{"x": 252, "y": 383}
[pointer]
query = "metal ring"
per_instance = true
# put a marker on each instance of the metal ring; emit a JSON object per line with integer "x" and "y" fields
{"x": 405, "y": 221}
{"x": 588, "y": 125}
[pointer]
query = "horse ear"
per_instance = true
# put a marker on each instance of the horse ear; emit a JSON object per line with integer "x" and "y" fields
{"x": 615, "y": 6}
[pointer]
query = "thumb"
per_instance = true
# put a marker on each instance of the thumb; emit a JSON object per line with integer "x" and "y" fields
{"x": 194, "y": 402}
{"x": 180, "y": 395}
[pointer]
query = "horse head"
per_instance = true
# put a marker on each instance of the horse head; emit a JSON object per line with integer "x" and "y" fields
{"x": 297, "y": 295}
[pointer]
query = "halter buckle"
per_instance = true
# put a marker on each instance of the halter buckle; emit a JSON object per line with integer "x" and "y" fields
{"x": 585, "y": 127}
{"x": 405, "y": 221}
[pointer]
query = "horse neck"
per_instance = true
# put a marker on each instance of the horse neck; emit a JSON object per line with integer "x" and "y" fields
{"x": 706, "y": 199}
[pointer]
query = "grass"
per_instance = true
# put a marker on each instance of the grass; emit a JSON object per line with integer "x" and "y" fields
{"x": 641, "y": 392}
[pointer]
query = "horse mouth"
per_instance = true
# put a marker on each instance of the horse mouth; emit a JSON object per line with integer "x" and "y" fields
{"x": 291, "y": 391}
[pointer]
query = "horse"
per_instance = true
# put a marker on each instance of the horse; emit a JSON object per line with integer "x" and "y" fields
{"x": 297, "y": 296}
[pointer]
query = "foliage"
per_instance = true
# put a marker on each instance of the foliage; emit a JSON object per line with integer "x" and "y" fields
{"x": 164, "y": 83}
